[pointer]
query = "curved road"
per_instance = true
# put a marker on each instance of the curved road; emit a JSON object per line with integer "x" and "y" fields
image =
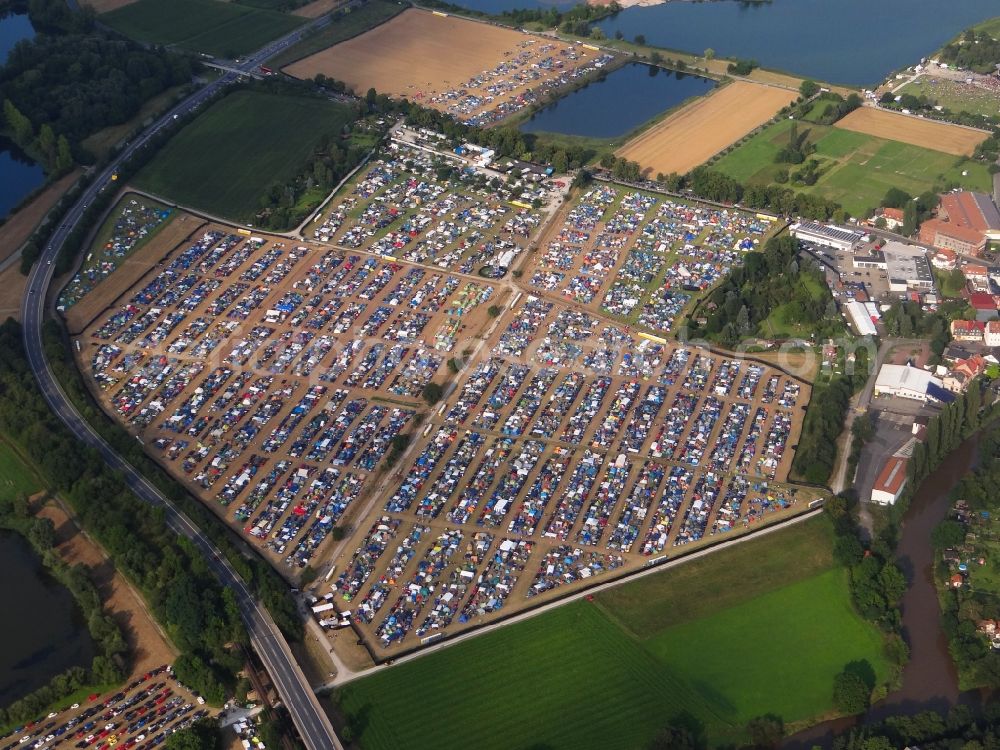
{"x": 311, "y": 721}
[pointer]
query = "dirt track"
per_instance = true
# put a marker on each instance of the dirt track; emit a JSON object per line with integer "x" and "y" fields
{"x": 104, "y": 6}
{"x": 19, "y": 227}
{"x": 939, "y": 136}
{"x": 690, "y": 136}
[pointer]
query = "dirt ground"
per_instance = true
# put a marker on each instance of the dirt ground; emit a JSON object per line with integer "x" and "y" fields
{"x": 180, "y": 226}
{"x": 19, "y": 227}
{"x": 104, "y": 6}
{"x": 939, "y": 136}
{"x": 317, "y": 8}
{"x": 12, "y": 284}
{"x": 692, "y": 135}
{"x": 147, "y": 644}
{"x": 421, "y": 55}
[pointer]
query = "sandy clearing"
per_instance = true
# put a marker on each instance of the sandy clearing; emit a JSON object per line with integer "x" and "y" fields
{"x": 134, "y": 267}
{"x": 20, "y": 225}
{"x": 12, "y": 284}
{"x": 147, "y": 645}
{"x": 693, "y": 134}
{"x": 317, "y": 8}
{"x": 420, "y": 55}
{"x": 938, "y": 136}
{"x": 104, "y": 6}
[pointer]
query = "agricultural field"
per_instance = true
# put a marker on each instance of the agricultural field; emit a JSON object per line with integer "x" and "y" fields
{"x": 702, "y": 129}
{"x": 345, "y": 25}
{"x": 772, "y": 644}
{"x": 927, "y": 134}
{"x": 855, "y": 169}
{"x": 16, "y": 478}
{"x": 224, "y": 161}
{"x": 956, "y": 96}
{"x": 220, "y": 29}
{"x": 477, "y": 72}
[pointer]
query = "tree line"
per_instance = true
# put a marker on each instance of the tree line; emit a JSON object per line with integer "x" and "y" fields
{"x": 976, "y": 51}
{"x": 201, "y": 617}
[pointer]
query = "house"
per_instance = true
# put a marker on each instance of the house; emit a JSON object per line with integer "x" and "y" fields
{"x": 965, "y": 223}
{"x": 893, "y": 217}
{"x": 890, "y": 482}
{"x": 991, "y": 336}
{"x": 955, "y": 352}
{"x": 956, "y": 581}
{"x": 963, "y": 373}
{"x": 967, "y": 330}
{"x": 984, "y": 304}
{"x": 944, "y": 260}
{"x": 977, "y": 276}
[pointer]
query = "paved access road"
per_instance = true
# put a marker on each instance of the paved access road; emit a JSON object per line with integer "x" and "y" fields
{"x": 311, "y": 721}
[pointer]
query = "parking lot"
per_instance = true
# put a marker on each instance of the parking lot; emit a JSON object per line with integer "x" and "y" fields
{"x": 142, "y": 715}
{"x": 275, "y": 377}
{"x": 640, "y": 257}
{"x": 574, "y": 449}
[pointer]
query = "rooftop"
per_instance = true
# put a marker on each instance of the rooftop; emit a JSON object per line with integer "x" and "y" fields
{"x": 893, "y": 476}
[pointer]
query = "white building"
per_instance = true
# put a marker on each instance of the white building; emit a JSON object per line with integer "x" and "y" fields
{"x": 907, "y": 268}
{"x": 861, "y": 318}
{"x": 839, "y": 238}
{"x": 890, "y": 482}
{"x": 991, "y": 336}
{"x": 908, "y": 382}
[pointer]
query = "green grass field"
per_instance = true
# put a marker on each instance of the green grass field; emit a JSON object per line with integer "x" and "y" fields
{"x": 223, "y": 161}
{"x": 761, "y": 628}
{"x": 220, "y": 29}
{"x": 344, "y": 26}
{"x": 856, "y": 169}
{"x": 953, "y": 95}
{"x": 15, "y": 475}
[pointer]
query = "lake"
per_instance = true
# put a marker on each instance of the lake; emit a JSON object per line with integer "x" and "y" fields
{"x": 19, "y": 175}
{"x": 43, "y": 632}
{"x": 13, "y": 28}
{"x": 614, "y": 105}
{"x": 855, "y": 42}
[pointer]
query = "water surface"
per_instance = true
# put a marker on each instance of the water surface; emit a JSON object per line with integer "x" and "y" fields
{"x": 19, "y": 176}
{"x": 621, "y": 101}
{"x": 42, "y": 632}
{"x": 13, "y": 28}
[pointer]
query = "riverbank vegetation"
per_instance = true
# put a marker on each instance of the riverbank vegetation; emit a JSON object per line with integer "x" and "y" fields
{"x": 201, "y": 617}
{"x": 75, "y": 79}
{"x": 653, "y": 652}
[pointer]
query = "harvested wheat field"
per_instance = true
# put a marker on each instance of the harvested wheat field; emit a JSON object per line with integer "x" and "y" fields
{"x": 317, "y": 8}
{"x": 692, "y": 135}
{"x": 449, "y": 63}
{"x": 939, "y": 136}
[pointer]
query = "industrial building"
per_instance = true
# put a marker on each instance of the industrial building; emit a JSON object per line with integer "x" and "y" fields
{"x": 913, "y": 383}
{"x": 966, "y": 222}
{"x": 907, "y": 268}
{"x": 839, "y": 238}
{"x": 861, "y": 318}
{"x": 891, "y": 481}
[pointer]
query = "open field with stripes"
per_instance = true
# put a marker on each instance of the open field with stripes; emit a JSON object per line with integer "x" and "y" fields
{"x": 937, "y": 136}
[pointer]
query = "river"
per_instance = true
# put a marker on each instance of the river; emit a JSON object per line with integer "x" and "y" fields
{"x": 43, "y": 632}
{"x": 855, "y": 42}
{"x": 929, "y": 680}
{"x": 617, "y": 103}
{"x": 19, "y": 175}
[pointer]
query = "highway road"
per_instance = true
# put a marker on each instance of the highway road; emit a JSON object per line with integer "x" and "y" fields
{"x": 311, "y": 721}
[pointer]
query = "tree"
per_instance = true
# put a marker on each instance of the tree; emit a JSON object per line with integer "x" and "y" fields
{"x": 201, "y": 735}
{"x": 808, "y": 89}
{"x": 766, "y": 731}
{"x": 709, "y": 54}
{"x": 640, "y": 39}
{"x": 948, "y": 534}
{"x": 655, "y": 57}
{"x": 850, "y": 693}
{"x": 597, "y": 33}
{"x": 42, "y": 533}
{"x": 909, "y": 219}
{"x": 432, "y": 393}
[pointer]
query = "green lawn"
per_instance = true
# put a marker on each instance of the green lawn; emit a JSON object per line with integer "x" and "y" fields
{"x": 344, "y": 26}
{"x": 15, "y": 476}
{"x": 761, "y": 628}
{"x": 856, "y": 169}
{"x": 953, "y": 95}
{"x": 224, "y": 161}
{"x": 220, "y": 29}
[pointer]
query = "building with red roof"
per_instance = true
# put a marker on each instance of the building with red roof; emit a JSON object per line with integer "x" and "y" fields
{"x": 965, "y": 222}
{"x": 891, "y": 481}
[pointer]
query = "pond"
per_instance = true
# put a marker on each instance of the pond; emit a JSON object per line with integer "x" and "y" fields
{"x": 43, "y": 632}
{"x": 19, "y": 176}
{"x": 13, "y": 28}
{"x": 619, "y": 102}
